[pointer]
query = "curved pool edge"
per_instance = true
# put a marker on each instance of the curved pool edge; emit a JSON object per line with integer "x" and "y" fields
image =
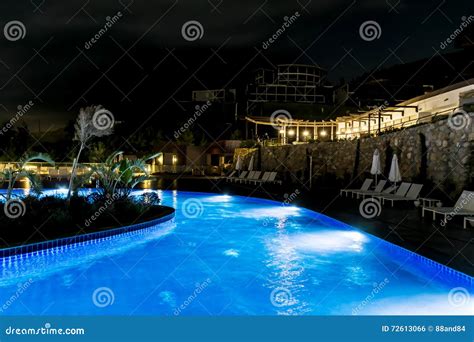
{"x": 41, "y": 246}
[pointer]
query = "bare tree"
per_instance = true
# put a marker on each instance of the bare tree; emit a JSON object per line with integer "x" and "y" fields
{"x": 92, "y": 121}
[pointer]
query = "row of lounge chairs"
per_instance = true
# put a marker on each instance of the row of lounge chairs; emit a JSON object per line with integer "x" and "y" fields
{"x": 253, "y": 177}
{"x": 464, "y": 206}
{"x": 405, "y": 192}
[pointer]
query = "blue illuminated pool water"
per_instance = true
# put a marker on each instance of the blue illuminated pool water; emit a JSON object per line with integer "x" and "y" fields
{"x": 230, "y": 255}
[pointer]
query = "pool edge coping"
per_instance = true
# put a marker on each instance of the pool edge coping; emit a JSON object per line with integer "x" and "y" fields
{"x": 40, "y": 246}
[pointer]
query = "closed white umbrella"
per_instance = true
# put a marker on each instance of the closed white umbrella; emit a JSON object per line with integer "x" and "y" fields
{"x": 238, "y": 163}
{"x": 394, "y": 175}
{"x": 251, "y": 164}
{"x": 376, "y": 169}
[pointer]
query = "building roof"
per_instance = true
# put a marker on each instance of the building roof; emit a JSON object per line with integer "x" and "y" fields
{"x": 439, "y": 91}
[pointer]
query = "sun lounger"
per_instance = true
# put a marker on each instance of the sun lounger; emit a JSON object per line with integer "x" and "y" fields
{"x": 264, "y": 178}
{"x": 244, "y": 179}
{"x": 230, "y": 176}
{"x": 468, "y": 220}
{"x": 464, "y": 207}
{"x": 401, "y": 191}
{"x": 241, "y": 176}
{"x": 365, "y": 186}
{"x": 378, "y": 189}
{"x": 254, "y": 177}
{"x": 412, "y": 195}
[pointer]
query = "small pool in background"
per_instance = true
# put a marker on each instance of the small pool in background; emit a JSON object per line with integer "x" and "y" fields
{"x": 231, "y": 255}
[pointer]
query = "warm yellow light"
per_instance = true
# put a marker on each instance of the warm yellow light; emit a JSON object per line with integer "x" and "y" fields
{"x": 175, "y": 159}
{"x": 323, "y": 133}
{"x": 282, "y": 131}
{"x": 305, "y": 133}
{"x": 291, "y": 132}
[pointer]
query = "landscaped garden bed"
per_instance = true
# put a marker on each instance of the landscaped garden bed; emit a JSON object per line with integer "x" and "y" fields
{"x": 49, "y": 218}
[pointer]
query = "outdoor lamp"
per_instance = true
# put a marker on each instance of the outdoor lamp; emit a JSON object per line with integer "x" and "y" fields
{"x": 291, "y": 132}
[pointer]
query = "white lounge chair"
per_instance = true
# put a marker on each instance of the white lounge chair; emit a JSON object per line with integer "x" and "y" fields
{"x": 249, "y": 176}
{"x": 412, "y": 195}
{"x": 468, "y": 220}
{"x": 254, "y": 177}
{"x": 464, "y": 207}
{"x": 231, "y": 175}
{"x": 241, "y": 176}
{"x": 264, "y": 178}
{"x": 365, "y": 186}
{"x": 401, "y": 191}
{"x": 378, "y": 190}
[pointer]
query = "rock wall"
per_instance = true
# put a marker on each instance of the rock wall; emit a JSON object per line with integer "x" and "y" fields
{"x": 435, "y": 154}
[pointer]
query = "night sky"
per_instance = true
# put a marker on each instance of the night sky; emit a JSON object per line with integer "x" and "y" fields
{"x": 142, "y": 67}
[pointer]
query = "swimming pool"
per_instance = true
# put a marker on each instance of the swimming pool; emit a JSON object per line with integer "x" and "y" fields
{"x": 231, "y": 255}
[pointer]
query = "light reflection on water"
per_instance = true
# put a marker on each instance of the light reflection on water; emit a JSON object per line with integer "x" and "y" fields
{"x": 262, "y": 259}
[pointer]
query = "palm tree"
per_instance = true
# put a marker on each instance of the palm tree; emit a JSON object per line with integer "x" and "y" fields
{"x": 88, "y": 126}
{"x": 12, "y": 174}
{"x": 117, "y": 179}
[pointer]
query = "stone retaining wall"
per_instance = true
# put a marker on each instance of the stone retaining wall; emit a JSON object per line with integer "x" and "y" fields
{"x": 433, "y": 154}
